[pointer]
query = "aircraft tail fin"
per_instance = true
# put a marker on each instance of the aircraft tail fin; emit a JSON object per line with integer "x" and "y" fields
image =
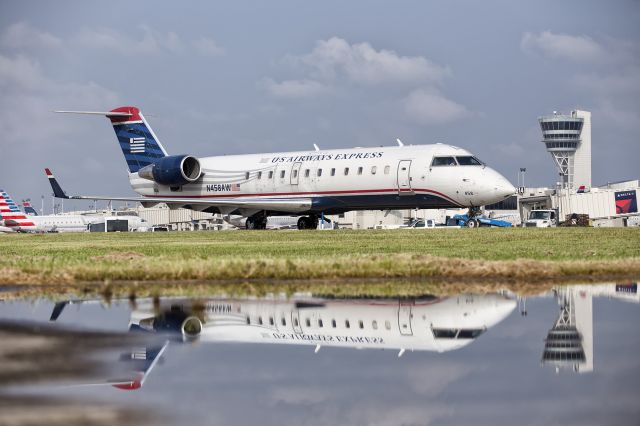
{"x": 28, "y": 209}
{"x": 138, "y": 143}
{"x": 57, "y": 189}
{"x": 11, "y": 215}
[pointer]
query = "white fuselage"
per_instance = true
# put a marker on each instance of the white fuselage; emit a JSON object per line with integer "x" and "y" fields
{"x": 343, "y": 179}
{"x": 67, "y": 223}
{"x": 435, "y": 324}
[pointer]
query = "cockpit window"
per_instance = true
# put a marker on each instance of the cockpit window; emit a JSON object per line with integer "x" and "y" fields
{"x": 468, "y": 160}
{"x": 443, "y": 161}
{"x": 456, "y": 333}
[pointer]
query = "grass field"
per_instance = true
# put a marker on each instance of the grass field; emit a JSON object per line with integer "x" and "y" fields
{"x": 455, "y": 255}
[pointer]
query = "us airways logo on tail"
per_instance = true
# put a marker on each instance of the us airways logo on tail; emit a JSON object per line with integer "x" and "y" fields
{"x": 136, "y": 145}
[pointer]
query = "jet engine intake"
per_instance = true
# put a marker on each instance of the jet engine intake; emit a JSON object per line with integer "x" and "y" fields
{"x": 191, "y": 327}
{"x": 173, "y": 170}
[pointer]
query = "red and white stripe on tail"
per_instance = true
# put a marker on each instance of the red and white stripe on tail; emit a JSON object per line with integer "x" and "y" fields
{"x": 12, "y": 217}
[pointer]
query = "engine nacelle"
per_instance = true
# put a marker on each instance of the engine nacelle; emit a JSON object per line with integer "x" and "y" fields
{"x": 191, "y": 327}
{"x": 173, "y": 170}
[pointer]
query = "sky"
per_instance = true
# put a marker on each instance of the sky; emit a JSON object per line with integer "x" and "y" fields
{"x": 497, "y": 379}
{"x": 218, "y": 78}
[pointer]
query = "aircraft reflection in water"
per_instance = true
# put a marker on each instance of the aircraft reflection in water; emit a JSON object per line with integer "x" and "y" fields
{"x": 569, "y": 343}
{"x": 425, "y": 324}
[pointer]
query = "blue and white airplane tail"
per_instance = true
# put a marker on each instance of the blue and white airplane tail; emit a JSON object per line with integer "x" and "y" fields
{"x": 138, "y": 143}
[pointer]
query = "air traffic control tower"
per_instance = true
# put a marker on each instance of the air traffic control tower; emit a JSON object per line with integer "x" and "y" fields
{"x": 568, "y": 140}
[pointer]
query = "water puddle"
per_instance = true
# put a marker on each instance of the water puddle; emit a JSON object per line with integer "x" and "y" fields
{"x": 564, "y": 356}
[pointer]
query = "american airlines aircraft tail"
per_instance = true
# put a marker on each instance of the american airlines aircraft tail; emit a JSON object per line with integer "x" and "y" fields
{"x": 305, "y": 183}
{"x": 11, "y": 218}
{"x": 28, "y": 208}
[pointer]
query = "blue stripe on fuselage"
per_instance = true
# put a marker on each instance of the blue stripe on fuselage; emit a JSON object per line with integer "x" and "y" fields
{"x": 344, "y": 203}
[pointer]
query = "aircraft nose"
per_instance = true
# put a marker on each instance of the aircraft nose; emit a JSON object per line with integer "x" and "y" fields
{"x": 504, "y": 188}
{"x": 502, "y": 308}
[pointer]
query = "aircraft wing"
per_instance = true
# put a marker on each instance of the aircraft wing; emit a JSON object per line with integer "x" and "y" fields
{"x": 227, "y": 205}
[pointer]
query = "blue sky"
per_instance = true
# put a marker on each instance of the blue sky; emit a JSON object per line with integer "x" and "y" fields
{"x": 244, "y": 77}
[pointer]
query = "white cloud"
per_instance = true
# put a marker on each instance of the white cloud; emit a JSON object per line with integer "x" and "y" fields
{"x": 21, "y": 35}
{"x": 362, "y": 64}
{"x": 293, "y": 89}
{"x": 27, "y": 124}
{"x": 151, "y": 42}
{"x": 208, "y": 47}
{"x": 564, "y": 46}
{"x": 430, "y": 107}
{"x": 621, "y": 81}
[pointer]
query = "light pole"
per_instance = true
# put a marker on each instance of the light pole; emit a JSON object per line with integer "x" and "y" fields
{"x": 523, "y": 170}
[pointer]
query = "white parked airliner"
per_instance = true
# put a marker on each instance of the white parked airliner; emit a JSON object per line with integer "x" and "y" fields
{"x": 304, "y": 183}
{"x": 12, "y": 219}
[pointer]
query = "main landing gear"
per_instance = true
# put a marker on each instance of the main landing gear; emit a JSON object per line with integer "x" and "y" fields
{"x": 256, "y": 222}
{"x": 308, "y": 222}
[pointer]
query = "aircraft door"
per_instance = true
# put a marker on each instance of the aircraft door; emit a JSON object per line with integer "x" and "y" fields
{"x": 295, "y": 173}
{"x": 404, "y": 319}
{"x": 404, "y": 177}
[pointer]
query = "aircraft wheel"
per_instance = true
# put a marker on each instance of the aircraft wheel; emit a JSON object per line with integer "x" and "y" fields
{"x": 473, "y": 223}
{"x": 256, "y": 223}
{"x": 302, "y": 223}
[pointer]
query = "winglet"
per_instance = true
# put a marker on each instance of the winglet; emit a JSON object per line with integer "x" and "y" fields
{"x": 57, "y": 189}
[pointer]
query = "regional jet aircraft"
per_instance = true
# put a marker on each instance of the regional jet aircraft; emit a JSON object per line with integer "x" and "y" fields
{"x": 306, "y": 183}
{"x": 12, "y": 219}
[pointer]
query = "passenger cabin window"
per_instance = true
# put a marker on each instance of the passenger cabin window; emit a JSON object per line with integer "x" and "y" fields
{"x": 306, "y": 173}
{"x": 443, "y": 161}
{"x": 320, "y": 323}
{"x": 284, "y": 321}
{"x": 319, "y": 172}
{"x": 387, "y": 169}
{"x": 259, "y": 175}
{"x": 361, "y": 324}
{"x": 271, "y": 322}
{"x": 387, "y": 325}
{"x": 333, "y": 172}
{"x": 246, "y": 176}
{"x": 271, "y": 175}
{"x": 333, "y": 323}
{"x": 281, "y": 174}
{"x": 346, "y": 171}
{"x": 374, "y": 169}
{"x": 359, "y": 170}
{"x": 468, "y": 160}
{"x": 374, "y": 324}
{"x": 295, "y": 173}
{"x": 346, "y": 324}
{"x": 308, "y": 322}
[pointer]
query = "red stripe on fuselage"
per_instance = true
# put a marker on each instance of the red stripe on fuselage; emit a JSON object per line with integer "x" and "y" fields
{"x": 272, "y": 194}
{"x": 19, "y": 224}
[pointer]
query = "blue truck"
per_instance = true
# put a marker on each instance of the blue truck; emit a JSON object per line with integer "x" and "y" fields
{"x": 464, "y": 220}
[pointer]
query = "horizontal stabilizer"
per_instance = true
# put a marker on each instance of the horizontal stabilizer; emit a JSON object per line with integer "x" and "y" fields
{"x": 105, "y": 113}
